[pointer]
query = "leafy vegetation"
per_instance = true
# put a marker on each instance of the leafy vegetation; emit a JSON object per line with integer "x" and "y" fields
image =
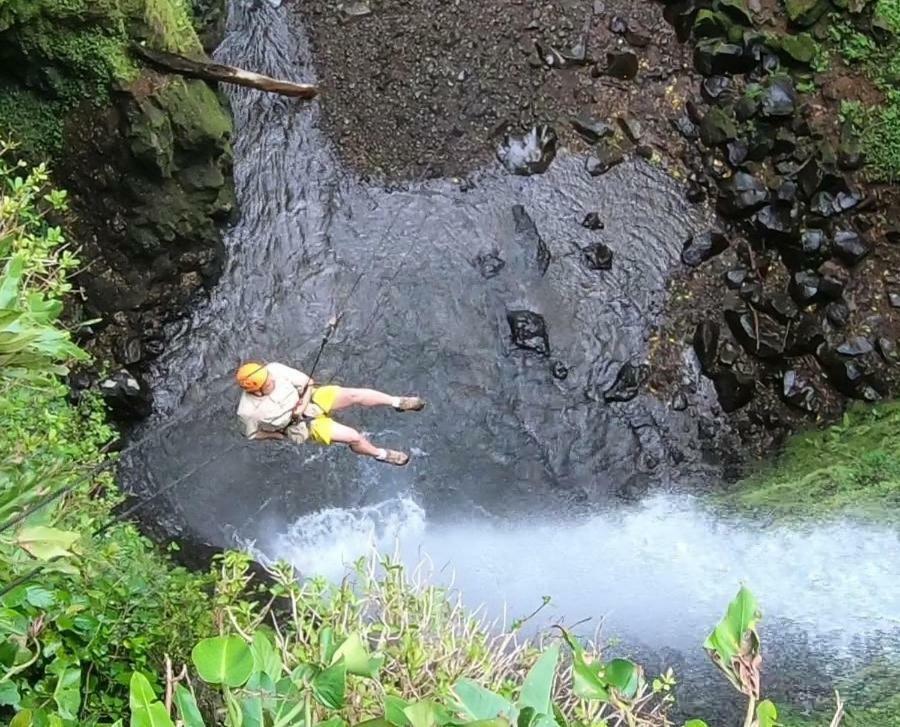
{"x": 102, "y": 606}
{"x": 852, "y": 467}
{"x": 878, "y": 125}
{"x": 256, "y": 677}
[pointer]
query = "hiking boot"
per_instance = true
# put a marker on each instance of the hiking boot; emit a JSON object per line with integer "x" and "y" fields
{"x": 392, "y": 456}
{"x": 410, "y": 403}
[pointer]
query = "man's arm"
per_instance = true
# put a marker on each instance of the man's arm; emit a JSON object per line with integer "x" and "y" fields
{"x": 306, "y": 392}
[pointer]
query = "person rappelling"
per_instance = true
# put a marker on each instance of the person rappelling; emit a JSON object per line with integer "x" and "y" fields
{"x": 279, "y": 402}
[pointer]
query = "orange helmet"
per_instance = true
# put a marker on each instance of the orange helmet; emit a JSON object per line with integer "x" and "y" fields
{"x": 252, "y": 376}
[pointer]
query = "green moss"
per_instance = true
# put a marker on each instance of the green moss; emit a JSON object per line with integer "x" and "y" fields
{"x": 887, "y": 12}
{"x": 58, "y": 54}
{"x": 31, "y": 121}
{"x": 853, "y": 467}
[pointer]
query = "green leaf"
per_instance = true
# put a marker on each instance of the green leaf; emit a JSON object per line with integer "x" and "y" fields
{"x": 22, "y": 719}
{"x": 425, "y": 714}
{"x": 187, "y": 707}
{"x": 45, "y": 543}
{"x": 498, "y": 722}
{"x": 326, "y": 645}
{"x": 377, "y": 722}
{"x": 67, "y": 693}
{"x": 9, "y": 695}
{"x": 356, "y": 657}
{"x": 263, "y": 686}
{"x": 265, "y": 658}
{"x": 538, "y": 685}
{"x": 13, "y": 622}
{"x": 624, "y": 675}
{"x": 478, "y": 703}
{"x": 695, "y": 723}
{"x": 146, "y": 709}
{"x": 393, "y": 710}
{"x": 39, "y": 597}
{"x": 527, "y": 716}
{"x": 333, "y": 722}
{"x": 223, "y": 660}
{"x": 741, "y": 616}
{"x": 766, "y": 714}
{"x": 329, "y": 685}
{"x": 252, "y": 711}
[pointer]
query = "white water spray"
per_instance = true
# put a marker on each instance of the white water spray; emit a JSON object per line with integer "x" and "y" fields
{"x": 662, "y": 571}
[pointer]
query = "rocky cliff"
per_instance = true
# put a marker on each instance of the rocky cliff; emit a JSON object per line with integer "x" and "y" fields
{"x": 146, "y": 158}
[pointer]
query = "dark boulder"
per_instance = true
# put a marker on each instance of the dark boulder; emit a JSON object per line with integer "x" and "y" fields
{"x": 628, "y": 382}
{"x": 597, "y": 256}
{"x": 715, "y": 58}
{"x": 528, "y": 236}
{"x": 737, "y": 152}
{"x": 489, "y": 264}
{"x": 528, "y": 331}
{"x": 605, "y": 157}
{"x": 781, "y": 307}
{"x": 806, "y": 12}
{"x": 807, "y": 288}
{"x": 746, "y": 108}
{"x": 759, "y": 334}
{"x": 733, "y": 390}
{"x": 717, "y": 127}
{"x": 681, "y": 16}
{"x": 848, "y": 375}
{"x": 530, "y": 154}
{"x": 850, "y": 247}
{"x": 729, "y": 354}
{"x": 887, "y": 348}
{"x": 716, "y": 89}
{"x": 778, "y": 220}
{"x": 804, "y": 337}
{"x": 700, "y": 248}
{"x": 591, "y": 129}
{"x": 592, "y": 221}
{"x": 779, "y": 99}
{"x": 838, "y": 313}
{"x": 856, "y": 346}
{"x": 742, "y": 194}
{"x": 558, "y": 370}
{"x": 687, "y": 128}
{"x": 734, "y": 279}
{"x": 800, "y": 393}
{"x": 126, "y": 396}
{"x": 706, "y": 345}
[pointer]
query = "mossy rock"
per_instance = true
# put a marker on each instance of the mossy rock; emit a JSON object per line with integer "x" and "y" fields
{"x": 806, "y": 12}
{"x": 198, "y": 119}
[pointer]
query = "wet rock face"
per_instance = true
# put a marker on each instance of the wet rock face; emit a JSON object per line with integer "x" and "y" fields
{"x": 530, "y": 154}
{"x": 528, "y": 331}
{"x": 528, "y": 236}
{"x": 628, "y": 383}
{"x": 126, "y": 396}
{"x": 151, "y": 186}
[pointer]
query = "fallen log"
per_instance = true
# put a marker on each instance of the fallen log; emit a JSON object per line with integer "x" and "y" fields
{"x": 209, "y": 71}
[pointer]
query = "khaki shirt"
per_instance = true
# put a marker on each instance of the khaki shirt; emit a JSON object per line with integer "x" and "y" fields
{"x": 273, "y": 411}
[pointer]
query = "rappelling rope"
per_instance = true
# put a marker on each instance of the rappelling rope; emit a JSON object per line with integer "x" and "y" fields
{"x": 326, "y": 338}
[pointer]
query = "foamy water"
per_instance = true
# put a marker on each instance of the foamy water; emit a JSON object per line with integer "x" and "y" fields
{"x": 663, "y": 570}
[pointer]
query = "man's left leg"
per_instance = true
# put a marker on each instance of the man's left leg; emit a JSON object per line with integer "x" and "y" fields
{"x": 334, "y": 398}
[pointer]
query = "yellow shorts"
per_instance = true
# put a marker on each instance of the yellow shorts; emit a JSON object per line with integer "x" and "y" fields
{"x": 321, "y": 427}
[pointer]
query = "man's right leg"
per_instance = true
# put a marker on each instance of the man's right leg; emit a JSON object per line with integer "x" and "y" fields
{"x": 360, "y": 445}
